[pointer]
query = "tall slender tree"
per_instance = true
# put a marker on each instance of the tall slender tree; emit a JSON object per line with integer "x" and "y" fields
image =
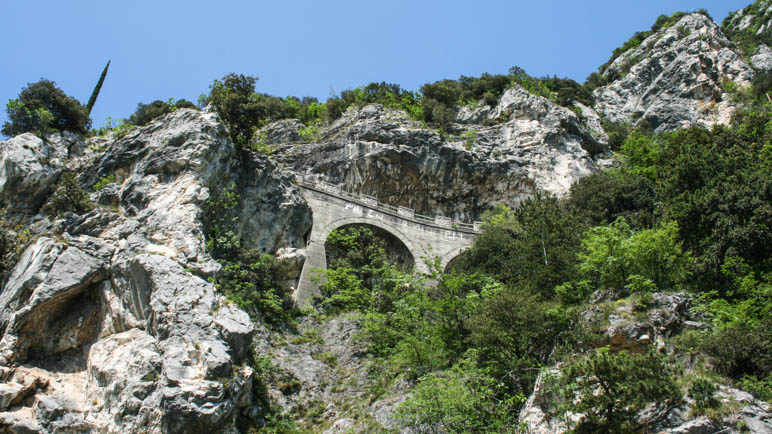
{"x": 98, "y": 87}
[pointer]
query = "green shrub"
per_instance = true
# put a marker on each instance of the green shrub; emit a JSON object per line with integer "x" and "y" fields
{"x": 614, "y": 255}
{"x": 702, "y": 391}
{"x": 146, "y": 113}
{"x": 741, "y": 350}
{"x": 535, "y": 244}
{"x": 12, "y": 242}
{"x": 663, "y": 22}
{"x": 41, "y": 106}
{"x": 250, "y": 279}
{"x": 104, "y": 182}
{"x": 67, "y": 196}
{"x": 609, "y": 389}
{"x": 605, "y": 196}
{"x": 761, "y": 387}
{"x": 310, "y": 133}
{"x": 462, "y": 399}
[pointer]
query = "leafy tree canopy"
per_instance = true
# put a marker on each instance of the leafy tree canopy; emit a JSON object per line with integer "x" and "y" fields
{"x": 42, "y": 106}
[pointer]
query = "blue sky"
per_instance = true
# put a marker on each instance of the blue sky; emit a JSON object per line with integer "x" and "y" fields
{"x": 161, "y": 49}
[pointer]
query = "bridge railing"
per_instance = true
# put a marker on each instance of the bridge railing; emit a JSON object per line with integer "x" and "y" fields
{"x": 314, "y": 182}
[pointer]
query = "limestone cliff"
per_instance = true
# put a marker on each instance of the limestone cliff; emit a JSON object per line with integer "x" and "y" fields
{"x": 108, "y": 320}
{"x": 675, "y": 78}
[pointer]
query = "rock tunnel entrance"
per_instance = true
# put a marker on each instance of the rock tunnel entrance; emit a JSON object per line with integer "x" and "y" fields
{"x": 348, "y": 244}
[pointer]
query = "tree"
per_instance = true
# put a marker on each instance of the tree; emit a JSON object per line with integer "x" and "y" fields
{"x": 97, "y": 88}
{"x": 603, "y": 196}
{"x": 26, "y": 113}
{"x": 536, "y": 243}
{"x": 147, "y": 112}
{"x": 612, "y": 255}
{"x": 68, "y": 196}
{"x": 235, "y": 101}
{"x": 609, "y": 389}
{"x": 514, "y": 333}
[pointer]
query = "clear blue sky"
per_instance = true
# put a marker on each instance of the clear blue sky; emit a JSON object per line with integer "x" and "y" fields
{"x": 161, "y": 49}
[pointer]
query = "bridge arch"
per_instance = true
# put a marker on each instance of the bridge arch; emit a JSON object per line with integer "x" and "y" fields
{"x": 450, "y": 257}
{"x": 414, "y": 250}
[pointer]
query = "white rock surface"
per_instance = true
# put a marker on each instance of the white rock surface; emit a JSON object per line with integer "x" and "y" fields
{"x": 674, "y": 78}
{"x": 153, "y": 346}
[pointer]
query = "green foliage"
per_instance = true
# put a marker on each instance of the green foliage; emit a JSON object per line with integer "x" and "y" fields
{"x": 439, "y": 98}
{"x": 469, "y": 137}
{"x": 605, "y": 196}
{"x": 41, "y": 106}
{"x": 387, "y": 94}
{"x": 702, "y": 391}
{"x": 761, "y": 388}
{"x": 104, "y": 182}
{"x": 513, "y": 332}
{"x": 749, "y": 38}
{"x": 146, "y": 113}
{"x": 120, "y": 128}
{"x": 617, "y": 133}
{"x": 609, "y": 389}
{"x": 642, "y": 153}
{"x": 250, "y": 279}
{"x": 234, "y": 100}
{"x": 741, "y": 349}
{"x": 260, "y": 146}
{"x": 461, "y": 399}
{"x": 67, "y": 197}
{"x": 12, "y": 243}
{"x": 535, "y": 244}
{"x": 253, "y": 281}
{"x": 92, "y": 99}
{"x": 614, "y": 255}
{"x": 310, "y": 133}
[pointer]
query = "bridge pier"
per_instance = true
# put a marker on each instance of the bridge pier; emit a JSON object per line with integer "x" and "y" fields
{"x": 316, "y": 258}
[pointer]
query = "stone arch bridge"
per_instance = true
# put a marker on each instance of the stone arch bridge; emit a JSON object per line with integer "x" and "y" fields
{"x": 425, "y": 237}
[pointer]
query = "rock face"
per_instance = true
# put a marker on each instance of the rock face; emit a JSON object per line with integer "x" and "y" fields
{"x": 751, "y": 29}
{"x": 29, "y": 167}
{"x": 676, "y": 78}
{"x": 635, "y": 333}
{"x": 146, "y": 341}
{"x": 539, "y": 146}
{"x": 539, "y": 416}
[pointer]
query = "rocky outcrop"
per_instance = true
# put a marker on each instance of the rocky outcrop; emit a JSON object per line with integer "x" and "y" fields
{"x": 539, "y": 415}
{"x": 52, "y": 288}
{"x": 535, "y": 146}
{"x": 143, "y": 340}
{"x": 676, "y": 78}
{"x": 29, "y": 167}
{"x": 634, "y": 332}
